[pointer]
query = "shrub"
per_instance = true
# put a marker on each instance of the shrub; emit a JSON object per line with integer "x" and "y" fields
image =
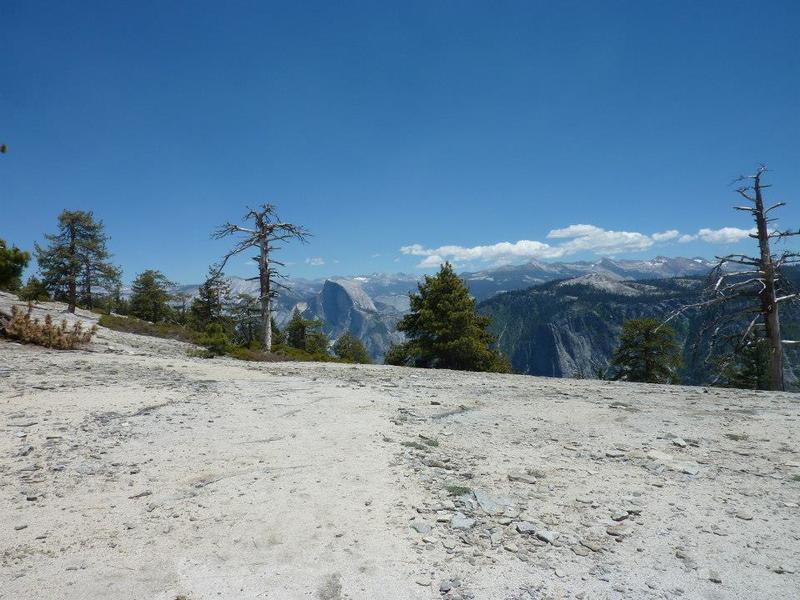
{"x": 170, "y": 331}
{"x": 215, "y": 339}
{"x": 26, "y": 329}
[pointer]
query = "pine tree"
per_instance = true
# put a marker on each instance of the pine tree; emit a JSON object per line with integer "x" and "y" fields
{"x": 296, "y": 331}
{"x": 150, "y": 296}
{"x": 305, "y": 334}
{"x": 212, "y": 301}
{"x": 749, "y": 368}
{"x": 349, "y": 348}
{"x": 33, "y": 291}
{"x": 12, "y": 263}
{"x": 76, "y": 261}
{"x": 444, "y": 331}
{"x": 246, "y": 316}
{"x": 647, "y": 353}
{"x": 278, "y": 336}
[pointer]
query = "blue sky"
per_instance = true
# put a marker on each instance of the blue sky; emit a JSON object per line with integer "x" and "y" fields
{"x": 399, "y": 133}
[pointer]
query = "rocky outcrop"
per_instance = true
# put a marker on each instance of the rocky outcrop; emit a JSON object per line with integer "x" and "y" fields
{"x": 344, "y": 306}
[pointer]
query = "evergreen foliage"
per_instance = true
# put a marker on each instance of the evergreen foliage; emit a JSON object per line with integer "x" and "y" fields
{"x": 215, "y": 340}
{"x": 246, "y": 317}
{"x": 305, "y": 334}
{"x": 76, "y": 261}
{"x": 444, "y": 331}
{"x": 150, "y": 296}
{"x": 12, "y": 263}
{"x": 34, "y": 290}
{"x": 647, "y": 353}
{"x": 749, "y": 368}
{"x": 212, "y": 301}
{"x": 350, "y": 349}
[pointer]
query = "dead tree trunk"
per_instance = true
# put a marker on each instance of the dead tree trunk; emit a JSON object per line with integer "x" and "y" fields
{"x": 268, "y": 229}
{"x": 266, "y": 295}
{"x": 746, "y": 291}
{"x": 767, "y": 296}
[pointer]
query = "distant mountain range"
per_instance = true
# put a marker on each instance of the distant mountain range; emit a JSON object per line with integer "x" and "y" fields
{"x": 570, "y": 327}
{"x": 369, "y": 306}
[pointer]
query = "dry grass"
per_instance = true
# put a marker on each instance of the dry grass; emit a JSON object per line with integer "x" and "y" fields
{"x": 29, "y": 330}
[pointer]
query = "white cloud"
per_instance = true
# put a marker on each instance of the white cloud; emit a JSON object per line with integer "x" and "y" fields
{"x": 315, "y": 261}
{"x": 574, "y": 239}
{"x": 725, "y": 235}
{"x": 666, "y": 236}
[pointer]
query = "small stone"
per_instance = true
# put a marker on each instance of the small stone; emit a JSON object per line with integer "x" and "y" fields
{"x": 20, "y": 527}
{"x": 445, "y": 586}
{"x": 526, "y": 527}
{"x": 449, "y": 543}
{"x": 580, "y": 550}
{"x": 744, "y": 515}
{"x": 619, "y": 515}
{"x": 615, "y": 453}
{"x": 679, "y": 442}
{"x": 592, "y": 545}
{"x": 420, "y": 526}
{"x": 522, "y": 478}
{"x": 424, "y": 581}
{"x": 619, "y": 531}
{"x": 690, "y": 469}
{"x": 714, "y": 577}
{"x": 547, "y": 536}
{"x": 510, "y": 547}
{"x": 461, "y": 521}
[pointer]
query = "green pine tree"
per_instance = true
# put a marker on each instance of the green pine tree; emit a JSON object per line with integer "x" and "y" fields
{"x": 306, "y": 334}
{"x": 212, "y": 301}
{"x": 150, "y": 296}
{"x": 12, "y": 263}
{"x": 444, "y": 331}
{"x": 350, "y": 349}
{"x": 647, "y": 353}
{"x": 76, "y": 261}
{"x": 748, "y": 368}
{"x": 296, "y": 331}
{"x": 33, "y": 291}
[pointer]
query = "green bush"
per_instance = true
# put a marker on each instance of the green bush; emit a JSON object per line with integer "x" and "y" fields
{"x": 169, "y": 331}
{"x": 215, "y": 340}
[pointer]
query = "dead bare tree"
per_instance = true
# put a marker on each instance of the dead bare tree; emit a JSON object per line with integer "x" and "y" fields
{"x": 745, "y": 292}
{"x": 265, "y": 235}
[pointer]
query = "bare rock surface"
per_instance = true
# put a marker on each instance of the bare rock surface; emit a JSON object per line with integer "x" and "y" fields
{"x": 131, "y": 470}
